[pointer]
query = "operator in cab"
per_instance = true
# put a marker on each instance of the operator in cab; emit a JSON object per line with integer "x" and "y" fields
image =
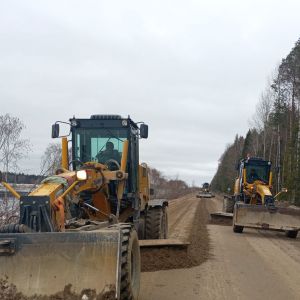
{"x": 253, "y": 176}
{"x": 108, "y": 153}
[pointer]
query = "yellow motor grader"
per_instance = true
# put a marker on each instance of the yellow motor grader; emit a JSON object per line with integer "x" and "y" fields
{"x": 252, "y": 204}
{"x": 80, "y": 227}
{"x": 205, "y": 191}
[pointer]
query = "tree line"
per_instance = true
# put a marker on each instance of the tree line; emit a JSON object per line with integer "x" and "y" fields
{"x": 274, "y": 133}
{"x": 167, "y": 188}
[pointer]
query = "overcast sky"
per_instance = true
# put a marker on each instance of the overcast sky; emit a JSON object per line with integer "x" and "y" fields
{"x": 192, "y": 70}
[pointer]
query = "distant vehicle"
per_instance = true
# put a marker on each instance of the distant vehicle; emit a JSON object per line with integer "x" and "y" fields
{"x": 252, "y": 204}
{"x": 205, "y": 191}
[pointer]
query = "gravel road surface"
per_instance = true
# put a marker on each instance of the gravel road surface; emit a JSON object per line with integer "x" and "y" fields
{"x": 252, "y": 265}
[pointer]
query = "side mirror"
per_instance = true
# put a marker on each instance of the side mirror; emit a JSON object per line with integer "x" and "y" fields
{"x": 144, "y": 131}
{"x": 151, "y": 192}
{"x": 55, "y": 131}
{"x": 283, "y": 190}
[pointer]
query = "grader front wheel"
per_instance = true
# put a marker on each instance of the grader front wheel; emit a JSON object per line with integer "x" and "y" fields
{"x": 130, "y": 264}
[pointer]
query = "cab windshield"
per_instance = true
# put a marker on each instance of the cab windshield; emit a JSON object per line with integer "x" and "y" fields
{"x": 99, "y": 145}
{"x": 257, "y": 172}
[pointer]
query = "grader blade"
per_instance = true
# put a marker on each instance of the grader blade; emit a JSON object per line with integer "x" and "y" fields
{"x": 221, "y": 215}
{"x": 163, "y": 243}
{"x": 221, "y": 218}
{"x": 205, "y": 195}
{"x": 258, "y": 216}
{"x": 45, "y": 264}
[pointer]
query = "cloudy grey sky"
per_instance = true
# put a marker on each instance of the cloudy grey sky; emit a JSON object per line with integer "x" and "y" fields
{"x": 192, "y": 70}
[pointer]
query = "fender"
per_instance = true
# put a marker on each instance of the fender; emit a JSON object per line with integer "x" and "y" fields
{"x": 158, "y": 202}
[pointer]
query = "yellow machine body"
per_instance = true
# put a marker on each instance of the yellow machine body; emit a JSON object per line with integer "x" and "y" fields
{"x": 86, "y": 258}
{"x": 78, "y": 229}
{"x": 50, "y": 252}
{"x": 253, "y": 205}
{"x": 254, "y": 202}
{"x": 144, "y": 185}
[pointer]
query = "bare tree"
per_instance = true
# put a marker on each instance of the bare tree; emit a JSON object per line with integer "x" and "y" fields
{"x": 12, "y": 146}
{"x": 168, "y": 188}
{"x": 261, "y": 116}
{"x": 12, "y": 149}
{"x": 51, "y": 159}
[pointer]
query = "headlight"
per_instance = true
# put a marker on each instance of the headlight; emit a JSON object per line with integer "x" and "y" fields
{"x": 81, "y": 175}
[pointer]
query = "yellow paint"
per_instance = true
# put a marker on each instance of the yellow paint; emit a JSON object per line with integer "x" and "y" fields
{"x": 244, "y": 175}
{"x": 144, "y": 185}
{"x": 46, "y": 189}
{"x": 64, "y": 153}
{"x": 11, "y": 189}
{"x": 237, "y": 187}
{"x": 69, "y": 189}
{"x": 121, "y": 184}
{"x": 124, "y": 156}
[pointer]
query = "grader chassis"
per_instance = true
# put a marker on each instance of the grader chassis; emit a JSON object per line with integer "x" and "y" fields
{"x": 82, "y": 225}
{"x": 253, "y": 205}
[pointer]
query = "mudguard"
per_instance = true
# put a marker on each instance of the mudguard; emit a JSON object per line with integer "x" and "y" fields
{"x": 157, "y": 202}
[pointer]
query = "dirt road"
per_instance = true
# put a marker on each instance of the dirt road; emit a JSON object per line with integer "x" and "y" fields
{"x": 252, "y": 265}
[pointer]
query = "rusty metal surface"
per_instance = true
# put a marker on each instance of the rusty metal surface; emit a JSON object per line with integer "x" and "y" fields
{"x": 258, "y": 216}
{"x": 44, "y": 263}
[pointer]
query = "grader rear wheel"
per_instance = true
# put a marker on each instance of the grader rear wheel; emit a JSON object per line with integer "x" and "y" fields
{"x": 157, "y": 223}
{"x": 228, "y": 205}
{"x": 166, "y": 222}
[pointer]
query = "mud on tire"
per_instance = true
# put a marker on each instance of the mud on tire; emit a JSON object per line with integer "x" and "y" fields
{"x": 130, "y": 264}
{"x": 157, "y": 223}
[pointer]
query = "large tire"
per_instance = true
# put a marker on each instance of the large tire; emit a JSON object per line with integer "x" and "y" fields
{"x": 166, "y": 222}
{"x": 157, "y": 223}
{"x": 130, "y": 264}
{"x": 141, "y": 228}
{"x": 237, "y": 228}
{"x": 228, "y": 205}
{"x": 292, "y": 234}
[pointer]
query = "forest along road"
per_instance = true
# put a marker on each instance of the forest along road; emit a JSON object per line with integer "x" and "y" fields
{"x": 253, "y": 265}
